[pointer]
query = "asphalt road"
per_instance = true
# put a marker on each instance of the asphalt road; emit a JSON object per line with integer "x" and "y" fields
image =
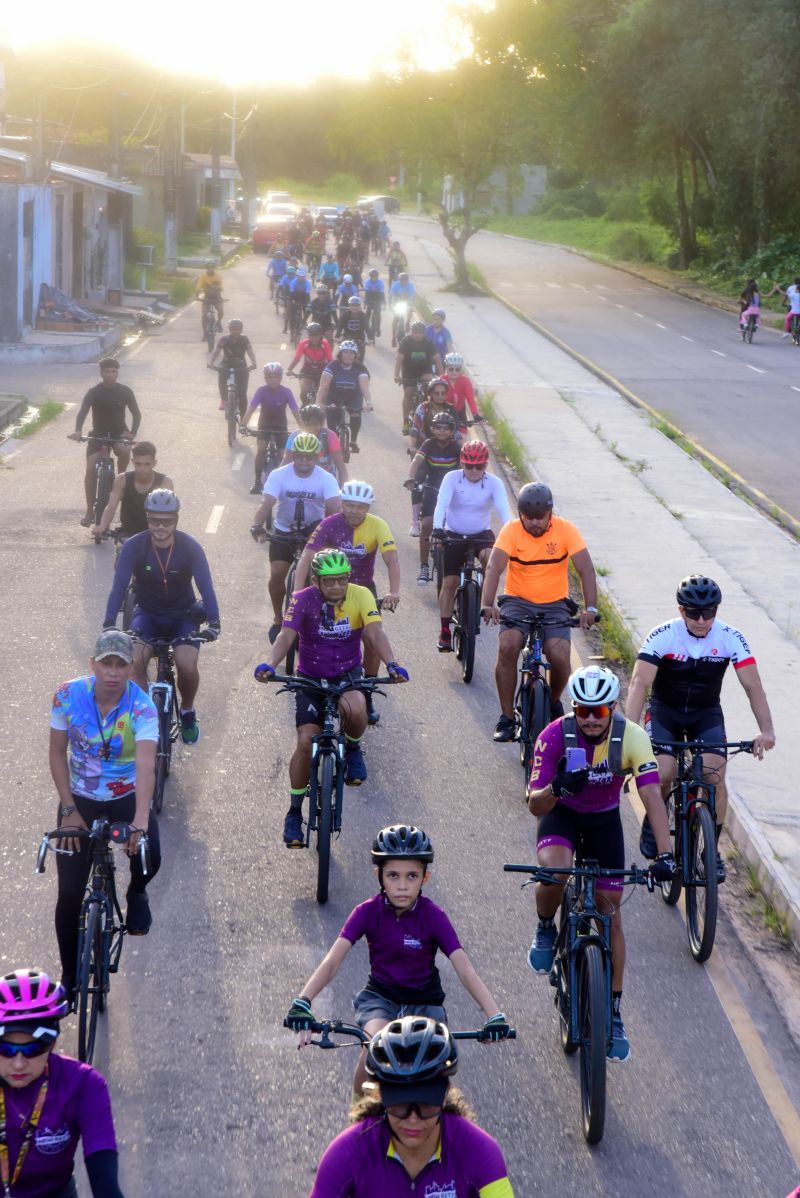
{"x": 686, "y": 360}
{"x": 210, "y": 1094}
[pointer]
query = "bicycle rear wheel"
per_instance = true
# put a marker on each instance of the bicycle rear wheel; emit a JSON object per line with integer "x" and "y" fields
{"x": 569, "y": 1045}
{"x": 208, "y": 328}
{"x": 105, "y": 481}
{"x": 91, "y": 982}
{"x": 671, "y": 891}
{"x": 325, "y": 800}
{"x": 540, "y": 717}
{"x": 467, "y": 606}
{"x": 701, "y": 885}
{"x": 592, "y": 1019}
{"x": 344, "y": 438}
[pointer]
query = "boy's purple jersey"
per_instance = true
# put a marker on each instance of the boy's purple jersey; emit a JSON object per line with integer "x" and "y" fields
{"x": 362, "y": 1162}
{"x": 273, "y": 402}
{"x": 77, "y": 1108}
{"x": 402, "y": 948}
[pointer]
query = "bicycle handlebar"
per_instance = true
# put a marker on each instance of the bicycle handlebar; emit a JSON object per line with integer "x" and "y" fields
{"x": 108, "y": 439}
{"x": 552, "y": 874}
{"x": 294, "y": 682}
{"x": 328, "y": 1027}
{"x": 118, "y": 833}
{"x": 695, "y": 746}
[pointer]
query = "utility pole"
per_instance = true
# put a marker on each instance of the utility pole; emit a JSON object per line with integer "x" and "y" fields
{"x": 216, "y": 215}
{"x": 114, "y": 258}
{"x": 169, "y": 142}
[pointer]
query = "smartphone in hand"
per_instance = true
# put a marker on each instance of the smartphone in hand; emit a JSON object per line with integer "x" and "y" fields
{"x": 576, "y": 759}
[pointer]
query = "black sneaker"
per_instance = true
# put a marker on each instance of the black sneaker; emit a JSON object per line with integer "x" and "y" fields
{"x": 293, "y": 828}
{"x": 504, "y": 730}
{"x": 256, "y": 488}
{"x": 647, "y": 841}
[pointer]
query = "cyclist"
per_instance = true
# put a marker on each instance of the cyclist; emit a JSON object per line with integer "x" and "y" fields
{"x": 48, "y": 1102}
{"x": 435, "y": 457}
{"x": 209, "y": 285}
{"x": 329, "y": 620}
{"x": 358, "y": 535}
{"x": 749, "y": 304}
{"x": 537, "y": 549}
{"x": 396, "y": 261}
{"x": 322, "y": 311}
{"x": 301, "y": 485}
{"x": 345, "y": 291}
{"x": 417, "y": 361}
{"x": 438, "y": 333}
{"x": 421, "y": 429}
{"x": 353, "y": 267}
{"x": 234, "y": 348}
{"x": 464, "y": 505}
{"x": 312, "y": 420}
{"x": 418, "y": 1132}
{"x": 272, "y": 399}
{"x": 345, "y": 384}
{"x": 130, "y": 490}
{"x": 298, "y": 297}
{"x": 460, "y": 392}
{"x": 315, "y": 352}
{"x": 276, "y": 269}
{"x": 329, "y": 273}
{"x": 108, "y": 401}
{"x": 684, "y": 661}
{"x": 163, "y": 564}
{"x": 286, "y": 281}
{"x": 103, "y": 735}
{"x": 401, "y": 291}
{"x": 375, "y": 302}
{"x": 354, "y": 325}
{"x": 792, "y": 297}
{"x": 404, "y": 931}
{"x": 314, "y": 249}
{"x": 579, "y": 807}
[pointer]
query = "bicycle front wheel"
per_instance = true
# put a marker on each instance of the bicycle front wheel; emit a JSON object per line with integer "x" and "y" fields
{"x": 592, "y": 1020}
{"x": 232, "y": 415}
{"x": 163, "y": 749}
{"x": 701, "y": 885}
{"x": 290, "y": 656}
{"x": 467, "y": 605}
{"x": 437, "y": 556}
{"x": 344, "y": 438}
{"x": 325, "y": 800}
{"x": 105, "y": 481}
{"x": 671, "y": 891}
{"x": 91, "y": 982}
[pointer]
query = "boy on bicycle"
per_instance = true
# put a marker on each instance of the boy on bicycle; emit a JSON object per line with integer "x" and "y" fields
{"x": 404, "y": 931}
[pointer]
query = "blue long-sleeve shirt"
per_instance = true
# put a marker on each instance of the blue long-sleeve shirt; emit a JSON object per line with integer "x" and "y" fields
{"x": 163, "y": 578}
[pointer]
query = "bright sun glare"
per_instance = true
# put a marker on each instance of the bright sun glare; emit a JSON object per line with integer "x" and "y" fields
{"x": 254, "y": 42}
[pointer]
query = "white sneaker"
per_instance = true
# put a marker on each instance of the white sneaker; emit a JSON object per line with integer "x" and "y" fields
{"x": 414, "y": 529}
{"x": 424, "y": 577}
{"x": 785, "y": 336}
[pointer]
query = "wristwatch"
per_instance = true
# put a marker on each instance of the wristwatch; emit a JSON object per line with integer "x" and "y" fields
{"x": 593, "y": 610}
{"x": 65, "y": 811}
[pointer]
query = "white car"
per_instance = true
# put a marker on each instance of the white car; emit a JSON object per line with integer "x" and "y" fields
{"x": 278, "y": 197}
{"x": 280, "y": 210}
{"x": 327, "y": 213}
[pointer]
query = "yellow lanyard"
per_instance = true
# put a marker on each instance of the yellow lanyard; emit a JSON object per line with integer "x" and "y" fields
{"x": 23, "y": 1152}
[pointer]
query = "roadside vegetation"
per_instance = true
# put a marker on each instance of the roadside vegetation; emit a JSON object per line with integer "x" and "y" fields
{"x": 46, "y": 412}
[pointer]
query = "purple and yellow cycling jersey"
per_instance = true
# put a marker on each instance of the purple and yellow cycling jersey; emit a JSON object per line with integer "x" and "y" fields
{"x": 330, "y": 637}
{"x": 359, "y": 544}
{"x": 603, "y": 789}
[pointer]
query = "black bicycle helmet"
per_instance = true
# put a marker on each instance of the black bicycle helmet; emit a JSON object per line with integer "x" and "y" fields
{"x": 411, "y": 1050}
{"x": 402, "y": 840}
{"x": 698, "y": 591}
{"x": 535, "y": 500}
{"x": 443, "y": 420}
{"x": 312, "y": 412}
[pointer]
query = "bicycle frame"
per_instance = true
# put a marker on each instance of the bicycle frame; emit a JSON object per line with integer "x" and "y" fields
{"x": 575, "y": 934}
{"x": 329, "y": 742}
{"x": 101, "y": 890}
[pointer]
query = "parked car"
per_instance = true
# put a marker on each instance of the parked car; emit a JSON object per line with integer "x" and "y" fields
{"x": 266, "y": 232}
{"x": 381, "y": 204}
{"x": 327, "y": 213}
{"x": 289, "y": 210}
{"x": 278, "y": 197}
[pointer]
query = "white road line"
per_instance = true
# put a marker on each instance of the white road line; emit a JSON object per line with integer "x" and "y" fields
{"x": 660, "y": 326}
{"x": 685, "y": 338}
{"x": 757, "y": 369}
{"x": 578, "y": 286}
{"x": 794, "y": 388}
{"x": 555, "y": 286}
{"x": 236, "y": 464}
{"x": 719, "y": 353}
{"x": 601, "y": 286}
{"x": 604, "y": 298}
{"x": 618, "y": 305}
{"x": 639, "y": 314}
{"x": 215, "y": 517}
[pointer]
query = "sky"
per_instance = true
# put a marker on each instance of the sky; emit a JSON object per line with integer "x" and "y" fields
{"x": 254, "y": 41}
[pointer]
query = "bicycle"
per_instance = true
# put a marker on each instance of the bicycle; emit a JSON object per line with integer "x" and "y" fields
{"x": 273, "y": 455}
{"x": 296, "y": 318}
{"x": 164, "y": 694}
{"x": 374, "y": 312}
{"x": 749, "y": 328}
{"x": 581, "y": 976}
{"x": 102, "y": 928}
{"x": 532, "y": 700}
{"x": 338, "y": 419}
{"x": 232, "y": 415}
{"x": 296, "y": 537}
{"x": 326, "y": 782}
{"x": 209, "y": 322}
{"x": 401, "y": 320}
{"x": 105, "y": 472}
{"x": 119, "y": 536}
{"x": 692, "y": 815}
{"x": 467, "y": 602}
{"x": 794, "y": 328}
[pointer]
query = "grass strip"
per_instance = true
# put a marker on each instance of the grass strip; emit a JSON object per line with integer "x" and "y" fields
{"x": 47, "y": 411}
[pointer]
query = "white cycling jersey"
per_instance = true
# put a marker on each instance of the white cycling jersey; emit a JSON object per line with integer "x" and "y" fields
{"x": 465, "y": 507}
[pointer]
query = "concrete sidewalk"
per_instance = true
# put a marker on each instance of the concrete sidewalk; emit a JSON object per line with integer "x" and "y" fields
{"x": 650, "y": 514}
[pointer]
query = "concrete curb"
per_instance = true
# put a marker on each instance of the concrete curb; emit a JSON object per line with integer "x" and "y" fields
{"x": 82, "y": 347}
{"x": 11, "y": 408}
{"x": 718, "y": 467}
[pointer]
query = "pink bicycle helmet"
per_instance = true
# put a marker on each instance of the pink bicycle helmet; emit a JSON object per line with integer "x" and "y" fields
{"x": 30, "y": 1001}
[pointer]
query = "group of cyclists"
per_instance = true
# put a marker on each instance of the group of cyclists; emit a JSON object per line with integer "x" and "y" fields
{"x": 410, "y": 1125}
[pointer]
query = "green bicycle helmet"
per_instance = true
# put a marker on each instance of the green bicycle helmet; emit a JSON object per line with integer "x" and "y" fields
{"x": 330, "y": 563}
{"x": 306, "y": 443}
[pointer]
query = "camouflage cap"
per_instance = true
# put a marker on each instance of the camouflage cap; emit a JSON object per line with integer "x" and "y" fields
{"x": 113, "y": 643}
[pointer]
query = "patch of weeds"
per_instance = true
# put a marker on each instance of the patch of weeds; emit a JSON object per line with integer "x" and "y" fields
{"x": 477, "y": 276}
{"x": 615, "y": 638}
{"x": 46, "y": 412}
{"x": 507, "y": 443}
{"x": 773, "y": 919}
{"x": 603, "y": 571}
{"x": 639, "y": 466}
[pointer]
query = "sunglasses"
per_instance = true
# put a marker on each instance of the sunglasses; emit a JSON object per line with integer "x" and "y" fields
{"x": 453, "y": 369}
{"x": 700, "y": 613}
{"x": 35, "y": 1048}
{"x": 587, "y": 710}
{"x": 157, "y": 522}
{"x": 473, "y": 467}
{"x": 424, "y": 1110}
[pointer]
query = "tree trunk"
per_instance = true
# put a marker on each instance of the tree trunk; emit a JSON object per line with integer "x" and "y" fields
{"x": 457, "y": 239}
{"x": 687, "y": 247}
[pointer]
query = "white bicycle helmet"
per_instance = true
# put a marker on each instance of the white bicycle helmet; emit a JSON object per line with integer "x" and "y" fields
{"x": 357, "y": 492}
{"x": 344, "y": 346}
{"x": 593, "y": 685}
{"x": 453, "y": 359}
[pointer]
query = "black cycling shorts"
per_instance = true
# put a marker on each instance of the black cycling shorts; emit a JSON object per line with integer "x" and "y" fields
{"x": 283, "y": 550}
{"x": 454, "y": 553}
{"x": 308, "y": 704}
{"x": 593, "y": 835}
{"x": 667, "y": 724}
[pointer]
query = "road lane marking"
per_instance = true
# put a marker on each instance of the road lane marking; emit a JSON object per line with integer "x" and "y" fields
{"x": 639, "y": 314}
{"x": 618, "y": 305}
{"x": 660, "y": 326}
{"x": 685, "y": 338}
{"x": 215, "y": 517}
{"x": 556, "y": 286}
{"x": 236, "y": 464}
{"x": 757, "y": 369}
{"x": 794, "y": 388}
{"x": 719, "y": 353}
